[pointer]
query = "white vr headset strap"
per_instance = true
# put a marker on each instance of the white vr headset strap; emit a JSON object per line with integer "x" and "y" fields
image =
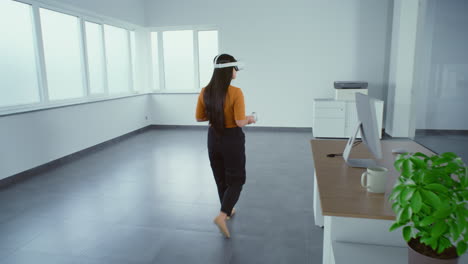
{"x": 225, "y": 65}
{"x": 216, "y": 59}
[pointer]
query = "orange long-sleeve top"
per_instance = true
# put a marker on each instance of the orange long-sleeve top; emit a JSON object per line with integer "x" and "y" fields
{"x": 234, "y": 107}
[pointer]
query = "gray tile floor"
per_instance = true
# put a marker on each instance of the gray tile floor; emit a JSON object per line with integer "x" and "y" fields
{"x": 151, "y": 199}
{"x": 441, "y": 141}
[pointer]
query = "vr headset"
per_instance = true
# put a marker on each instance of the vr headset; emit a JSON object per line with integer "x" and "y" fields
{"x": 237, "y": 65}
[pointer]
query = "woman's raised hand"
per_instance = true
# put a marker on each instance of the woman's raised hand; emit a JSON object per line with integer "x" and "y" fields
{"x": 250, "y": 120}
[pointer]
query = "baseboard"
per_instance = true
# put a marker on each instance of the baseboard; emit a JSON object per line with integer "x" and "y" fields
{"x": 178, "y": 127}
{"x": 441, "y": 131}
{"x": 246, "y": 128}
{"x": 60, "y": 161}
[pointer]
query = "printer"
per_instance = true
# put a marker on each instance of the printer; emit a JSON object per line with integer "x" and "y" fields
{"x": 346, "y": 90}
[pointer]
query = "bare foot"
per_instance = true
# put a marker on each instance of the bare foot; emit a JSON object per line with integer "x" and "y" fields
{"x": 232, "y": 214}
{"x": 220, "y": 221}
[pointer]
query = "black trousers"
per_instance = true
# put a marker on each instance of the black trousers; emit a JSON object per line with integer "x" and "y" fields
{"x": 227, "y": 159}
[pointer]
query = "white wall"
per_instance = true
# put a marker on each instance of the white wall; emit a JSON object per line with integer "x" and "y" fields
{"x": 443, "y": 92}
{"x": 128, "y": 10}
{"x": 293, "y": 50}
{"x": 32, "y": 139}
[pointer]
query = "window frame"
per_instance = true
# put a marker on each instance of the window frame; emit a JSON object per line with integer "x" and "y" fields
{"x": 195, "y": 29}
{"x": 44, "y": 102}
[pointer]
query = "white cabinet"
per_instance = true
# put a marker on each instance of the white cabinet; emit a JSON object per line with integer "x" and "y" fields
{"x": 338, "y": 119}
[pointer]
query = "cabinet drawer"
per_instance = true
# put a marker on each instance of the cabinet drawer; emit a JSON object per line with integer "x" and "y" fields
{"x": 329, "y": 109}
{"x": 328, "y": 127}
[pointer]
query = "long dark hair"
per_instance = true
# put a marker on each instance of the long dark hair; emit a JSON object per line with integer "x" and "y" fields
{"x": 215, "y": 92}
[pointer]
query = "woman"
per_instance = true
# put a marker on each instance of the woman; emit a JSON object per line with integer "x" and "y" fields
{"x": 223, "y": 106}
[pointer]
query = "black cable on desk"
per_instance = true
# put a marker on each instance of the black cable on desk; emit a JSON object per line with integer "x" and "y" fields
{"x": 332, "y": 155}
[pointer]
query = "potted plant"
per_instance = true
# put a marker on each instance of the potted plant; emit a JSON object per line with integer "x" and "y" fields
{"x": 430, "y": 202}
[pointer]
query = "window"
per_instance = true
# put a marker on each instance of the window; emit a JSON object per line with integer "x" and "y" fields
{"x": 179, "y": 70}
{"x": 18, "y": 73}
{"x": 136, "y": 86}
{"x": 50, "y": 57}
{"x": 187, "y": 59}
{"x": 95, "y": 52}
{"x": 118, "y": 59}
{"x": 155, "y": 60}
{"x": 62, "y": 53}
{"x": 207, "y": 51}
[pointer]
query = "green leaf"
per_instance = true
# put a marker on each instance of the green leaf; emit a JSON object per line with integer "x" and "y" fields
{"x": 436, "y": 187}
{"x": 449, "y": 155}
{"x": 418, "y": 163}
{"x": 395, "y": 207}
{"x": 395, "y": 225}
{"x": 426, "y": 240}
{"x": 418, "y": 175}
{"x": 396, "y": 192}
{"x": 433, "y": 242}
{"x": 463, "y": 180}
{"x": 406, "y": 195}
{"x": 443, "y": 212}
{"x": 404, "y": 215}
{"x": 461, "y": 219}
{"x": 461, "y": 224}
{"x": 461, "y": 248}
{"x": 426, "y": 209}
{"x": 427, "y": 221}
{"x": 440, "y": 249}
{"x": 465, "y": 195}
{"x": 429, "y": 177}
{"x": 440, "y": 160}
{"x": 410, "y": 183}
{"x": 452, "y": 166}
{"x": 407, "y": 167}
{"x": 416, "y": 219}
{"x": 453, "y": 230}
{"x": 397, "y": 163}
{"x": 444, "y": 243}
{"x": 431, "y": 199}
{"x": 419, "y": 154}
{"x": 407, "y": 233}
{"x": 416, "y": 202}
{"x": 439, "y": 229}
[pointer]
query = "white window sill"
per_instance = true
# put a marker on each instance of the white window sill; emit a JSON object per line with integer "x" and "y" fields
{"x": 14, "y": 110}
{"x": 176, "y": 92}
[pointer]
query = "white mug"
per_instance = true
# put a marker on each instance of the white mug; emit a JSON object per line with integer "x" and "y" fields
{"x": 374, "y": 179}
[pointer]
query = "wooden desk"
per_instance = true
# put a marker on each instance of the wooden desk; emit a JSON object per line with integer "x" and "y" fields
{"x": 351, "y": 214}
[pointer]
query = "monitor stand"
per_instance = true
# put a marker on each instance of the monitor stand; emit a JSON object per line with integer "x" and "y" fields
{"x": 358, "y": 163}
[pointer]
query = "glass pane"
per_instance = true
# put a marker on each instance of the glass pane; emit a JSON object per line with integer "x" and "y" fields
{"x": 18, "y": 73}
{"x": 207, "y": 51}
{"x": 178, "y": 60}
{"x": 133, "y": 49}
{"x": 155, "y": 60}
{"x": 118, "y": 60}
{"x": 60, "y": 34}
{"x": 94, "y": 45}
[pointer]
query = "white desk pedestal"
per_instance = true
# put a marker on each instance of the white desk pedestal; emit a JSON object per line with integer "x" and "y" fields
{"x": 357, "y": 230}
{"x": 318, "y": 217}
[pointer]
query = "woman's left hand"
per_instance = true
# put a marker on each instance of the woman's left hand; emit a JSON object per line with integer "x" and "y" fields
{"x": 250, "y": 120}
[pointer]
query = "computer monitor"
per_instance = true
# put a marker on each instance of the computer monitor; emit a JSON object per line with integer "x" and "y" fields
{"x": 367, "y": 125}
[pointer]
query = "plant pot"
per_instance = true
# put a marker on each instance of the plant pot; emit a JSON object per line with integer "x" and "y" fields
{"x": 415, "y": 257}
